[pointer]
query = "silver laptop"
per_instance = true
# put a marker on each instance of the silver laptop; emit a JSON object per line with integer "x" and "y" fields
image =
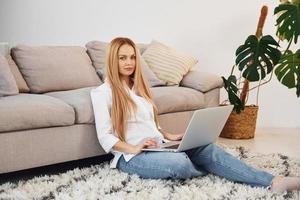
{"x": 204, "y": 128}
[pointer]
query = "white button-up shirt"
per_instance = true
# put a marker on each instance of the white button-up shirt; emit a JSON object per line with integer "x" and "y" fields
{"x": 139, "y": 126}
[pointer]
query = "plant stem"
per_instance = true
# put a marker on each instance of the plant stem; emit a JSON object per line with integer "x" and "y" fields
{"x": 258, "y": 34}
{"x": 245, "y": 91}
{"x": 232, "y": 69}
{"x": 260, "y": 84}
{"x": 290, "y": 42}
{"x": 258, "y": 92}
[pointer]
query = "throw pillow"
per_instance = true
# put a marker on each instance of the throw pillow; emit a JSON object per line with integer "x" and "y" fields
{"x": 167, "y": 63}
{"x": 150, "y": 76}
{"x": 22, "y": 85}
{"x": 8, "y": 85}
{"x": 55, "y": 68}
{"x": 97, "y": 52}
{"x": 142, "y": 47}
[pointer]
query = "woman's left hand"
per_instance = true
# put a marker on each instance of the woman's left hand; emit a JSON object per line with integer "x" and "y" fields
{"x": 173, "y": 137}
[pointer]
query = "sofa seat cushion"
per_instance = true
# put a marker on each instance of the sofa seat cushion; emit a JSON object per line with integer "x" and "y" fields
{"x": 80, "y": 100}
{"x": 30, "y": 111}
{"x": 177, "y": 99}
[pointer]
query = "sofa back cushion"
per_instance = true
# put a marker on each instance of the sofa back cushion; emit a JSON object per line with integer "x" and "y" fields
{"x": 55, "y": 68}
{"x": 177, "y": 99}
{"x": 8, "y": 85}
{"x": 21, "y": 83}
{"x": 167, "y": 63}
{"x": 97, "y": 52}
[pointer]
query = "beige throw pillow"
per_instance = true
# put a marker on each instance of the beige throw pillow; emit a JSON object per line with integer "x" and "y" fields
{"x": 142, "y": 47}
{"x": 97, "y": 52}
{"x": 22, "y": 85}
{"x": 55, "y": 68}
{"x": 150, "y": 76}
{"x": 8, "y": 85}
{"x": 167, "y": 63}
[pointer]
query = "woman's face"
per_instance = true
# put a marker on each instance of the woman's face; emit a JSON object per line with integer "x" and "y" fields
{"x": 127, "y": 61}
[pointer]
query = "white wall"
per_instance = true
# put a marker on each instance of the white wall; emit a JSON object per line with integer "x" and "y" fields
{"x": 207, "y": 30}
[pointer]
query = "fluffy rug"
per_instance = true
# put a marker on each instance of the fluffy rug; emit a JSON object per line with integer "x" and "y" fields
{"x": 100, "y": 182}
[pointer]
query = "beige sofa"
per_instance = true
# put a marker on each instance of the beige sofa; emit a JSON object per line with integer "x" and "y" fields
{"x": 50, "y": 119}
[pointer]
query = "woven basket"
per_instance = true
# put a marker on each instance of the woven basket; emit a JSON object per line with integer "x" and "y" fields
{"x": 241, "y": 126}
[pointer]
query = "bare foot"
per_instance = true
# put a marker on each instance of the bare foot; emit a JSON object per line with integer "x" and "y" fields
{"x": 275, "y": 180}
{"x": 281, "y": 184}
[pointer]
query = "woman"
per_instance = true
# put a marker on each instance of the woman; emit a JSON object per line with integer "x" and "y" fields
{"x": 126, "y": 122}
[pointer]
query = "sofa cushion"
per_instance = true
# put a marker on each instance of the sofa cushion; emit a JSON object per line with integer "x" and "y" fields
{"x": 201, "y": 81}
{"x": 8, "y": 85}
{"x": 22, "y": 85}
{"x": 97, "y": 52}
{"x": 80, "y": 100}
{"x": 55, "y": 68}
{"x": 142, "y": 47}
{"x": 177, "y": 99}
{"x": 30, "y": 111}
{"x": 167, "y": 63}
{"x": 150, "y": 76}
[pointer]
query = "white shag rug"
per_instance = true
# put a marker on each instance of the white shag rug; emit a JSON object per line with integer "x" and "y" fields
{"x": 100, "y": 182}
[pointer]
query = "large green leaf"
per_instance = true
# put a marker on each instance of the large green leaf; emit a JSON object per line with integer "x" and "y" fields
{"x": 256, "y": 58}
{"x": 232, "y": 90}
{"x": 288, "y": 20}
{"x": 288, "y": 70}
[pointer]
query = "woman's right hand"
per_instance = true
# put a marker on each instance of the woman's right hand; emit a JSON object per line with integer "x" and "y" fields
{"x": 147, "y": 143}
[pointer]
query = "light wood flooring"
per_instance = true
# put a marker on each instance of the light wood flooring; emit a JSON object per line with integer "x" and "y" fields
{"x": 271, "y": 140}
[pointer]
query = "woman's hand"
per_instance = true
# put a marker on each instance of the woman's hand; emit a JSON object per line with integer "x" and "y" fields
{"x": 173, "y": 137}
{"x": 147, "y": 143}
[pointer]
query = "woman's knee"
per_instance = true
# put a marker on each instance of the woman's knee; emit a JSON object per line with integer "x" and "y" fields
{"x": 212, "y": 152}
{"x": 174, "y": 166}
{"x": 180, "y": 166}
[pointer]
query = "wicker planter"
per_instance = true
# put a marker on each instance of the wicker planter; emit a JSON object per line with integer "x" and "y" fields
{"x": 241, "y": 126}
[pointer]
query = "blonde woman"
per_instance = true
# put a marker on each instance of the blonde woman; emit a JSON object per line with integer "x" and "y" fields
{"x": 126, "y": 122}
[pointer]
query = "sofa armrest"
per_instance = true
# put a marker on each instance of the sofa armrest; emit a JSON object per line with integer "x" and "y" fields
{"x": 202, "y": 81}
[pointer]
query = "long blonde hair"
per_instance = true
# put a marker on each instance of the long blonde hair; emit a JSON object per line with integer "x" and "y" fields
{"x": 122, "y": 104}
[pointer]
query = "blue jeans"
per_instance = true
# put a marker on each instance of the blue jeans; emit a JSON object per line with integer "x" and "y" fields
{"x": 194, "y": 162}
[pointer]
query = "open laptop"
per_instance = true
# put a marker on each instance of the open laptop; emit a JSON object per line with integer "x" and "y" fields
{"x": 204, "y": 128}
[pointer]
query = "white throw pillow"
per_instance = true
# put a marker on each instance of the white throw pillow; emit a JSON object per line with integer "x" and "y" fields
{"x": 167, "y": 63}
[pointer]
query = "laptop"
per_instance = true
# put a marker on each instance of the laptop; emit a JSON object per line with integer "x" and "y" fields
{"x": 204, "y": 128}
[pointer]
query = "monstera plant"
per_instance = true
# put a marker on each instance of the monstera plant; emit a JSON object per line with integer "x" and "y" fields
{"x": 261, "y": 56}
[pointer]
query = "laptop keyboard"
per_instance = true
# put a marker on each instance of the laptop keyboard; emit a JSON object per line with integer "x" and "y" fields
{"x": 175, "y": 146}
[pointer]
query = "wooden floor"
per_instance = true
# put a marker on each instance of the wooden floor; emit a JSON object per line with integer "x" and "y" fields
{"x": 271, "y": 140}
